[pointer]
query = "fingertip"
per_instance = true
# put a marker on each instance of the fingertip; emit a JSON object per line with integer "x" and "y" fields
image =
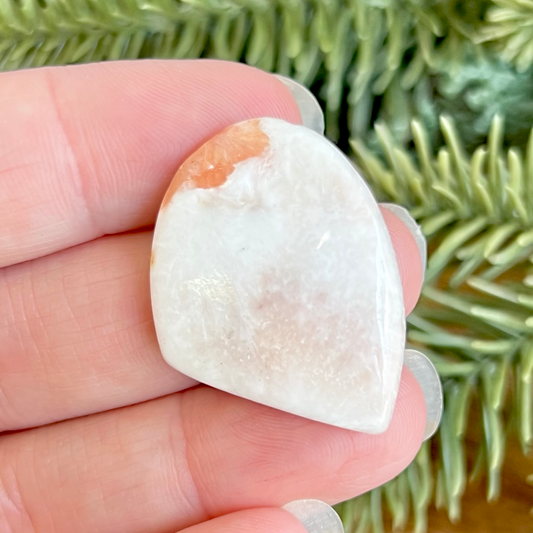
{"x": 400, "y": 443}
{"x": 410, "y": 263}
{"x": 285, "y": 105}
{"x": 410, "y": 410}
{"x": 258, "y": 520}
{"x": 105, "y": 139}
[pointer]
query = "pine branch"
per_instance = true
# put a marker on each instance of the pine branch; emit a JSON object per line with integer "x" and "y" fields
{"x": 475, "y": 318}
{"x": 403, "y": 59}
{"x": 510, "y": 27}
{"x": 351, "y": 50}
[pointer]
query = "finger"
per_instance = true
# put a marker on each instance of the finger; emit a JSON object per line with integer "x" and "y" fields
{"x": 176, "y": 461}
{"x": 93, "y": 148}
{"x": 77, "y": 336}
{"x": 263, "y": 520}
{"x": 408, "y": 258}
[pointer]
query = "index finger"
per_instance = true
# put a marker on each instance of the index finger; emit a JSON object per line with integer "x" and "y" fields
{"x": 91, "y": 149}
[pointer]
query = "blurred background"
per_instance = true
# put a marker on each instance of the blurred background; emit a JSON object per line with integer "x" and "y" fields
{"x": 433, "y": 100}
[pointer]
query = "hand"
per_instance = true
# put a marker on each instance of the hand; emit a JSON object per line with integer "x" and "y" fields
{"x": 121, "y": 442}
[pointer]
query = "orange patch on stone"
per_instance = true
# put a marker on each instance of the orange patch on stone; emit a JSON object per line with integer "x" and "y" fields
{"x": 152, "y": 258}
{"x": 214, "y": 161}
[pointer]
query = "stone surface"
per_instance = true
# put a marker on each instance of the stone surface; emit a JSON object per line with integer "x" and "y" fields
{"x": 273, "y": 277}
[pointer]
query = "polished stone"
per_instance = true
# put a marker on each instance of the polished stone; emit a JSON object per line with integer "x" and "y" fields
{"x": 274, "y": 278}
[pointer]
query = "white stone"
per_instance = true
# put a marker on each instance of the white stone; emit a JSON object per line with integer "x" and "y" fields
{"x": 280, "y": 285}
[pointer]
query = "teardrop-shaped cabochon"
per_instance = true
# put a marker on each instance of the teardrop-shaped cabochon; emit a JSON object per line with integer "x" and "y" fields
{"x": 274, "y": 278}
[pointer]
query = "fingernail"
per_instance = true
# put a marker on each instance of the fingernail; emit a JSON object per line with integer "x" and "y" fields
{"x": 316, "y": 516}
{"x": 428, "y": 379}
{"x": 312, "y": 115}
{"x": 413, "y": 227}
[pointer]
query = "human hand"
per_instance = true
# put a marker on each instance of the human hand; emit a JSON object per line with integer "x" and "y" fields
{"x": 86, "y": 155}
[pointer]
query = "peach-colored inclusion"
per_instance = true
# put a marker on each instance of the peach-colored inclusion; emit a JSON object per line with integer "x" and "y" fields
{"x": 213, "y": 162}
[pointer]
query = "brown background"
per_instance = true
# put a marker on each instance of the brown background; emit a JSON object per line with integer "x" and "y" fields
{"x": 510, "y": 514}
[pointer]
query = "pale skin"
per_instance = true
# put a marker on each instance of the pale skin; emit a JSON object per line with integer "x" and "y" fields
{"x": 101, "y": 435}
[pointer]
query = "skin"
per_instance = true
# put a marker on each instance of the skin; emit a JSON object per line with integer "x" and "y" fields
{"x": 100, "y": 435}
